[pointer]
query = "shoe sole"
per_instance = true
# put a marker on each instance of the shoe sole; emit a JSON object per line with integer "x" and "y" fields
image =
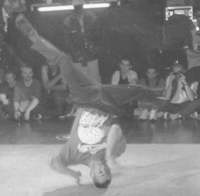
{"x": 60, "y": 137}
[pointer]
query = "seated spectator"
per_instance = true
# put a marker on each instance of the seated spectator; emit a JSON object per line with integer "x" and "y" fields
{"x": 179, "y": 92}
{"x": 126, "y": 76}
{"x": 27, "y": 96}
{"x": 7, "y": 94}
{"x": 55, "y": 88}
{"x": 157, "y": 84}
{"x": 193, "y": 108}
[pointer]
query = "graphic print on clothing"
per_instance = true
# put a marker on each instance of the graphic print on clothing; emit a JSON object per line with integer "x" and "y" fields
{"x": 90, "y": 132}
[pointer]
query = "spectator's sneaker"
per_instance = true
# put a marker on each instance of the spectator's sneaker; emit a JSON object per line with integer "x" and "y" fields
{"x": 153, "y": 115}
{"x": 166, "y": 116}
{"x": 144, "y": 115}
{"x": 194, "y": 115}
{"x": 72, "y": 113}
{"x": 63, "y": 137}
{"x": 175, "y": 116}
{"x": 37, "y": 117}
{"x": 62, "y": 116}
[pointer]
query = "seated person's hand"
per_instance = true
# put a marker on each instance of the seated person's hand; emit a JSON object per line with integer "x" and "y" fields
{"x": 17, "y": 114}
{"x": 4, "y": 99}
{"x": 182, "y": 79}
{"x": 172, "y": 76}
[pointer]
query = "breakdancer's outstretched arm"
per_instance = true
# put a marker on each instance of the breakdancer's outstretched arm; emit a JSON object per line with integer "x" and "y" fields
{"x": 57, "y": 165}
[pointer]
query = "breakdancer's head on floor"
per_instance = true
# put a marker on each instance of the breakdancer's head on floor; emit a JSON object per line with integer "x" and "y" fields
{"x": 100, "y": 172}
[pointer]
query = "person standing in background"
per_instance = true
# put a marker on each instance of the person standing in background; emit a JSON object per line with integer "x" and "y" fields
{"x": 78, "y": 43}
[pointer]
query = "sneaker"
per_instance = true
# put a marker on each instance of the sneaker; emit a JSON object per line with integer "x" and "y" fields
{"x": 37, "y": 117}
{"x": 144, "y": 115}
{"x": 62, "y": 116}
{"x": 72, "y": 113}
{"x": 153, "y": 115}
{"x": 63, "y": 137}
{"x": 166, "y": 116}
{"x": 194, "y": 115}
{"x": 175, "y": 116}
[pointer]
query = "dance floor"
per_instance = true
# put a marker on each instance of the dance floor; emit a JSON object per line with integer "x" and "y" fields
{"x": 161, "y": 158}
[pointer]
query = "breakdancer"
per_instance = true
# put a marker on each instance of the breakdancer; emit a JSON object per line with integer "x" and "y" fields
{"x": 95, "y": 140}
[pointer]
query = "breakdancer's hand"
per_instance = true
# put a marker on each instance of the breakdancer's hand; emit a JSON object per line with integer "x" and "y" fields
{"x": 113, "y": 164}
{"x": 76, "y": 176}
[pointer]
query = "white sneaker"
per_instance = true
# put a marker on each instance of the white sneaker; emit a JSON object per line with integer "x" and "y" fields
{"x": 166, "y": 116}
{"x": 144, "y": 115}
{"x": 194, "y": 115}
{"x": 175, "y": 116}
{"x": 153, "y": 115}
{"x": 63, "y": 137}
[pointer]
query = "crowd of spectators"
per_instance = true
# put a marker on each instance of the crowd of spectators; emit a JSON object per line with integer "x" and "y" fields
{"x": 177, "y": 94}
{"x": 26, "y": 97}
{"x": 56, "y": 94}
{"x": 155, "y": 82}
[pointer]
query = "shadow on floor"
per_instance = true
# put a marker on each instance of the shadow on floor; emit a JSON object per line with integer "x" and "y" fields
{"x": 83, "y": 190}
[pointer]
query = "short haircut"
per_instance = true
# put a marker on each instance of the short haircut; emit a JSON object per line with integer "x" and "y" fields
{"x": 9, "y": 71}
{"x": 179, "y": 65}
{"x": 125, "y": 59}
{"x": 152, "y": 67}
{"x": 26, "y": 66}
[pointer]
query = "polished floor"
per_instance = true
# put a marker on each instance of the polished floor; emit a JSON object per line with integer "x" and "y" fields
{"x": 162, "y": 158}
{"x": 136, "y": 132}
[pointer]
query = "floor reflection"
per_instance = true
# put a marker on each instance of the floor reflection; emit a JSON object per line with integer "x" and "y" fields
{"x": 36, "y": 132}
{"x": 166, "y": 132}
{"x": 136, "y": 132}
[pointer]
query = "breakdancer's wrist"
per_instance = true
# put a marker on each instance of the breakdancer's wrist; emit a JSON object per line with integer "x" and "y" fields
{"x": 110, "y": 159}
{"x": 76, "y": 176}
